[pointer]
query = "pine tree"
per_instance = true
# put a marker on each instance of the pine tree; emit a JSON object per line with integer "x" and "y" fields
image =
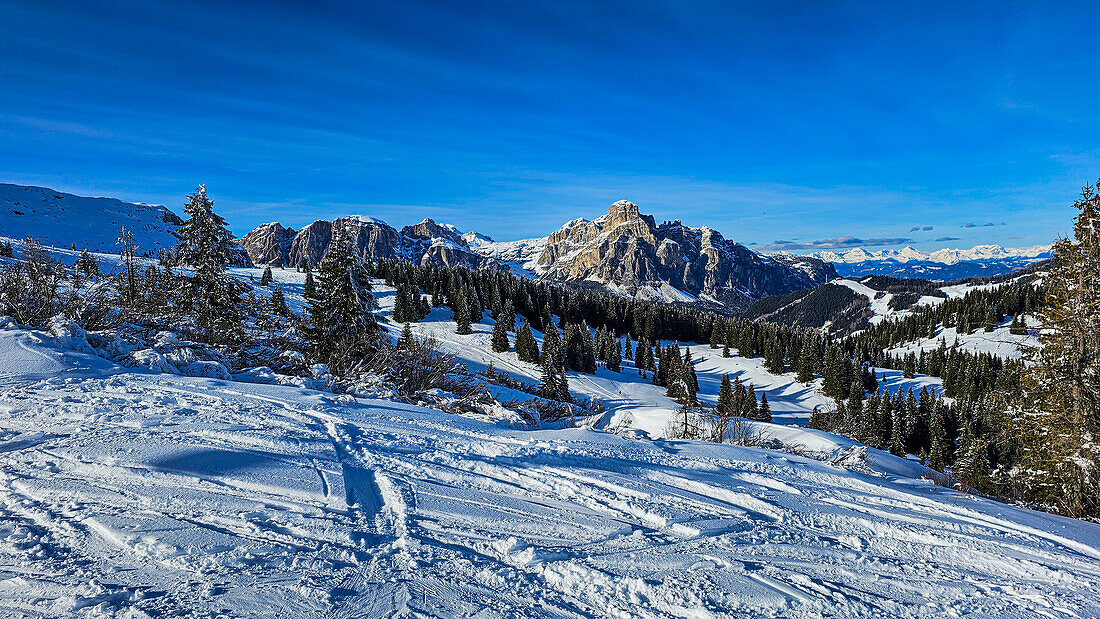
{"x": 748, "y": 403}
{"x": 807, "y": 361}
{"x": 1018, "y": 326}
{"x": 462, "y": 314}
{"x": 527, "y": 349}
{"x": 725, "y": 397}
{"x": 266, "y": 278}
{"x": 614, "y": 356}
{"x": 1060, "y": 416}
{"x": 309, "y": 289}
{"x": 500, "y": 337}
{"x": 343, "y": 330}
{"x": 764, "y": 411}
{"x": 405, "y": 342}
{"x": 278, "y": 302}
{"x": 127, "y": 254}
{"x": 206, "y": 244}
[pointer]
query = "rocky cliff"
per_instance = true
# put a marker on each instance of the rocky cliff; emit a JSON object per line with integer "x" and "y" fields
{"x": 628, "y": 252}
{"x": 425, "y": 242}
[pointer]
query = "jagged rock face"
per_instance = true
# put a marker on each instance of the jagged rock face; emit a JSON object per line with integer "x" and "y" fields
{"x": 426, "y": 242}
{"x": 269, "y": 244}
{"x": 627, "y": 251}
{"x": 436, "y": 244}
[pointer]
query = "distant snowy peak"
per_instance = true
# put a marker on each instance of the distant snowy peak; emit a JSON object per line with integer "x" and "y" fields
{"x": 943, "y": 264}
{"x": 941, "y": 256}
{"x": 65, "y": 220}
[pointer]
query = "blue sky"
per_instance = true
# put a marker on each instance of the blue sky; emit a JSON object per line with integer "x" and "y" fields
{"x": 798, "y": 126}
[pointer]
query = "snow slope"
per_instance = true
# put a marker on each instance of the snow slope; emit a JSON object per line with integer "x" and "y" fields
{"x": 158, "y": 495}
{"x": 62, "y": 219}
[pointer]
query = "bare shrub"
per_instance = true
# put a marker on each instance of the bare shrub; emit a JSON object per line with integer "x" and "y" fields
{"x": 30, "y": 289}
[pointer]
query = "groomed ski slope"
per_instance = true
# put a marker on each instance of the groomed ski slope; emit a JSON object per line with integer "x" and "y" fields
{"x": 134, "y": 494}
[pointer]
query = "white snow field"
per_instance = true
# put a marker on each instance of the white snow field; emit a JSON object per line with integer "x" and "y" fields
{"x": 134, "y": 494}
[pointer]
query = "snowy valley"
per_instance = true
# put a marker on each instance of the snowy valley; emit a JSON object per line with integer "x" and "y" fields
{"x": 144, "y": 475}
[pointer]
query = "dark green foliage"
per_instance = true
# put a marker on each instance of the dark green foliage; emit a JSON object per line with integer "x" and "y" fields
{"x": 527, "y": 349}
{"x": 342, "y": 330}
{"x": 500, "y": 337}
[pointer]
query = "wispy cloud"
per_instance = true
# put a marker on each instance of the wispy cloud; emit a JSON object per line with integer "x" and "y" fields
{"x": 987, "y": 224}
{"x": 920, "y": 228}
{"x": 840, "y": 242}
{"x": 944, "y": 239}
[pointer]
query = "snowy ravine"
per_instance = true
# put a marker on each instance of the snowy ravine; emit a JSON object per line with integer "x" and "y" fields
{"x": 152, "y": 494}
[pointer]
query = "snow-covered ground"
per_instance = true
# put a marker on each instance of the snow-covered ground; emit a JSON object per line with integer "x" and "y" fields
{"x": 159, "y": 495}
{"x": 1000, "y": 341}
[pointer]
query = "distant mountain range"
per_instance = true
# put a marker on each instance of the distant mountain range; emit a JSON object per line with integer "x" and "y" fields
{"x": 944, "y": 264}
{"x": 624, "y": 251}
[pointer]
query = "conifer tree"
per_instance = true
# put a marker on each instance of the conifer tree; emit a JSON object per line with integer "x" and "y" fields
{"x": 527, "y": 349}
{"x": 462, "y": 314}
{"x": 405, "y": 342}
{"x": 764, "y": 411}
{"x": 614, "y": 356}
{"x": 343, "y": 330}
{"x": 748, "y": 404}
{"x": 127, "y": 254}
{"x": 278, "y": 302}
{"x": 309, "y": 289}
{"x": 207, "y": 245}
{"x": 267, "y": 277}
{"x": 500, "y": 337}
{"x": 1060, "y": 416}
{"x": 807, "y": 361}
{"x": 725, "y": 397}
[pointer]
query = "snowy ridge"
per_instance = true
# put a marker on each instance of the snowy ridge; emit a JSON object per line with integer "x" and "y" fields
{"x": 62, "y": 220}
{"x": 940, "y": 256}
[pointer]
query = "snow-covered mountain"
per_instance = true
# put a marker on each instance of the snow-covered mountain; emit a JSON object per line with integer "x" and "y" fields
{"x": 627, "y": 252}
{"x": 61, "y": 219}
{"x": 425, "y": 242}
{"x": 942, "y": 264}
{"x": 623, "y": 250}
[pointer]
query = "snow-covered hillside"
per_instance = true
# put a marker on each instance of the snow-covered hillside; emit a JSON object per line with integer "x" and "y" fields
{"x": 62, "y": 220}
{"x": 158, "y": 495}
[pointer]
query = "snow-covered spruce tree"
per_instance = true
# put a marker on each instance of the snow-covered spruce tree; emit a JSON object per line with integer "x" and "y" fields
{"x": 206, "y": 245}
{"x": 267, "y": 277}
{"x": 343, "y": 331}
{"x": 1060, "y": 414}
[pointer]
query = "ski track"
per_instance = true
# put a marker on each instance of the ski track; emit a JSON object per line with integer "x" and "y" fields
{"x": 124, "y": 493}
